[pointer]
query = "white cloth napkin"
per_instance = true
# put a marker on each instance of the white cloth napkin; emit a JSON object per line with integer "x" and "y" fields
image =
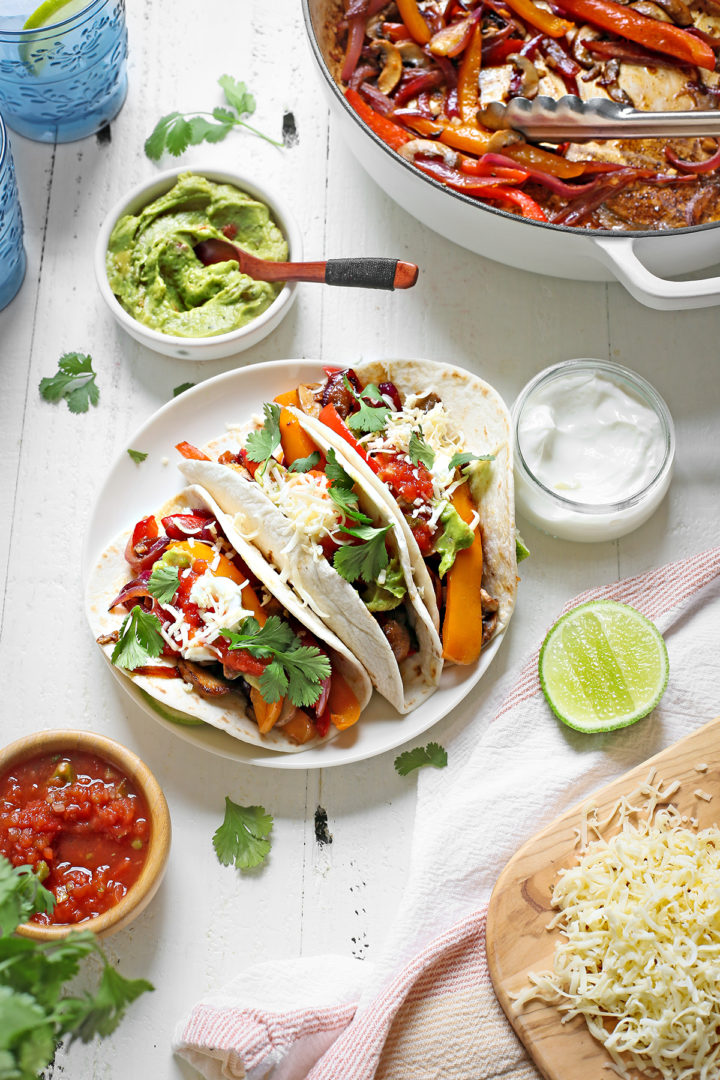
{"x": 426, "y": 1009}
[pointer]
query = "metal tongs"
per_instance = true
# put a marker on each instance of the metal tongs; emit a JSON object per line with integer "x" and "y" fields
{"x": 570, "y": 119}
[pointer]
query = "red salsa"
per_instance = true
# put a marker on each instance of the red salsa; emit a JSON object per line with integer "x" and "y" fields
{"x": 81, "y": 824}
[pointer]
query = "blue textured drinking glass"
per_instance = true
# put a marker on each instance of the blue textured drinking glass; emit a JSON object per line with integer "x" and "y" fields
{"x": 65, "y": 81}
{"x": 12, "y": 252}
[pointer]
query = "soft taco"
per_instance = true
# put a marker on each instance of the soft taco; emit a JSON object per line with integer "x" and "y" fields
{"x": 332, "y": 537}
{"x": 207, "y": 629}
{"x": 433, "y": 442}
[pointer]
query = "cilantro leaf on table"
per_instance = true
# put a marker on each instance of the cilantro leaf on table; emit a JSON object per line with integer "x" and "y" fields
{"x": 75, "y": 381}
{"x": 370, "y": 417}
{"x": 305, "y": 464}
{"x": 432, "y": 754}
{"x": 177, "y": 390}
{"x": 241, "y": 840}
{"x": 176, "y": 131}
{"x": 295, "y": 669}
{"x": 102, "y": 1014}
{"x": 262, "y": 444}
{"x": 137, "y": 456}
{"x": 366, "y": 560}
{"x": 21, "y": 895}
{"x": 458, "y": 460}
{"x": 163, "y": 582}
{"x": 419, "y": 451}
{"x": 140, "y": 640}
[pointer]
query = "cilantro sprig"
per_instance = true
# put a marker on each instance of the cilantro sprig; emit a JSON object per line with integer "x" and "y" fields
{"x": 419, "y": 451}
{"x": 262, "y": 444}
{"x": 137, "y": 456}
{"x": 242, "y": 839}
{"x": 74, "y": 381}
{"x": 353, "y": 561}
{"x": 458, "y": 460}
{"x": 433, "y": 754}
{"x": 34, "y": 1013}
{"x": 370, "y": 417}
{"x": 140, "y": 639}
{"x": 164, "y": 582}
{"x": 294, "y": 670}
{"x": 176, "y": 131}
{"x": 305, "y": 464}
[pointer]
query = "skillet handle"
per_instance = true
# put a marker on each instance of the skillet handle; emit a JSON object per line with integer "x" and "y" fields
{"x": 618, "y": 254}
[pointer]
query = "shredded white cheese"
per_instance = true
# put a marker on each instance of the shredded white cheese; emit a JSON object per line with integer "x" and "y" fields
{"x": 305, "y": 501}
{"x": 220, "y": 606}
{"x": 640, "y": 915}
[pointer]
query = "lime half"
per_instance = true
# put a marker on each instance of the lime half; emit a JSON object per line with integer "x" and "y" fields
{"x": 603, "y": 666}
{"x": 53, "y": 11}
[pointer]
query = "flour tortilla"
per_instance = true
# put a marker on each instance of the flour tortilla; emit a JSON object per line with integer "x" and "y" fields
{"x": 229, "y": 713}
{"x": 483, "y": 418}
{"x": 256, "y": 519}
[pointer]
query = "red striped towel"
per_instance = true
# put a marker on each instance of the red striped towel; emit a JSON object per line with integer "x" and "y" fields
{"x": 426, "y": 1010}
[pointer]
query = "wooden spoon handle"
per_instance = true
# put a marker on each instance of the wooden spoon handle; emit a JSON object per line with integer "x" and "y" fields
{"x": 371, "y": 273}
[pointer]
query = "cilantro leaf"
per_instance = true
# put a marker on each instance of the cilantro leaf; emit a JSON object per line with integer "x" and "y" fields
{"x": 353, "y": 561}
{"x": 262, "y": 444}
{"x": 140, "y": 640}
{"x": 137, "y": 456}
{"x": 304, "y": 464}
{"x": 432, "y": 754}
{"x": 75, "y": 381}
{"x": 419, "y": 451}
{"x": 242, "y": 838}
{"x": 371, "y": 417}
{"x": 202, "y": 130}
{"x": 295, "y": 669}
{"x": 177, "y": 390}
{"x": 172, "y": 133}
{"x": 163, "y": 582}
{"x": 224, "y": 116}
{"x": 347, "y": 501}
{"x": 21, "y": 895}
{"x": 102, "y": 1014}
{"x": 457, "y": 460}
{"x": 335, "y": 472}
{"x": 237, "y": 95}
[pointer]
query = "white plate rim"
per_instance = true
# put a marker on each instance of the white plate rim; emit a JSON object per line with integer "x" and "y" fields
{"x": 374, "y": 734}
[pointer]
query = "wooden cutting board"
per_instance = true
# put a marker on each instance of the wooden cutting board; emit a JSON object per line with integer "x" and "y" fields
{"x": 519, "y": 912}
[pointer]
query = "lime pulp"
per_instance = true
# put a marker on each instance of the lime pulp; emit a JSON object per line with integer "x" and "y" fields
{"x": 603, "y": 666}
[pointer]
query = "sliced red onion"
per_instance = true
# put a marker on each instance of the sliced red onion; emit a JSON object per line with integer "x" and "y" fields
{"x": 709, "y": 165}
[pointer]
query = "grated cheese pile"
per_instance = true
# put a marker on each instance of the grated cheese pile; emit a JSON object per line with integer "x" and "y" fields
{"x": 641, "y": 917}
{"x": 220, "y": 606}
{"x": 304, "y": 499}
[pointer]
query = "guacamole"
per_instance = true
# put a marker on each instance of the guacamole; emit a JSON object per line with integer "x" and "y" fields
{"x": 158, "y": 279}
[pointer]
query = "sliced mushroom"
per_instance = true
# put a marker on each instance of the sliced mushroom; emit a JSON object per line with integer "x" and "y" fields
{"x": 580, "y": 53}
{"x": 109, "y": 639}
{"x": 678, "y": 10}
{"x": 503, "y": 138}
{"x": 208, "y": 685}
{"x": 609, "y": 80}
{"x": 425, "y": 146}
{"x": 530, "y": 77}
{"x": 392, "y": 65}
{"x": 646, "y": 7}
{"x": 307, "y": 396}
{"x": 412, "y": 54}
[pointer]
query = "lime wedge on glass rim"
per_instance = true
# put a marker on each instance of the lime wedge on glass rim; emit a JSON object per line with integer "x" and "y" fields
{"x": 53, "y": 11}
{"x": 603, "y": 666}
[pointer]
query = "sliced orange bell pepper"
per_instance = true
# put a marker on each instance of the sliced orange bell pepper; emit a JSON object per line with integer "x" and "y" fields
{"x": 525, "y": 154}
{"x": 189, "y": 451}
{"x": 267, "y": 713}
{"x": 295, "y": 442}
{"x": 416, "y": 25}
{"x": 540, "y": 18}
{"x": 462, "y": 625}
{"x": 343, "y": 705}
{"x": 299, "y": 728}
{"x": 468, "y": 89}
{"x": 467, "y": 137}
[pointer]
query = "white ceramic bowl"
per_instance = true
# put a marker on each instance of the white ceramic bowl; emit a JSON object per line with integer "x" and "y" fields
{"x": 200, "y": 348}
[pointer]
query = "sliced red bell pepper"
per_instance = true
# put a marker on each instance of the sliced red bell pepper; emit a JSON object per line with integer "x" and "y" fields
{"x": 390, "y": 133}
{"x": 189, "y": 451}
{"x": 652, "y": 33}
{"x": 485, "y": 167}
{"x": 468, "y": 185}
{"x": 332, "y": 419}
{"x": 528, "y": 207}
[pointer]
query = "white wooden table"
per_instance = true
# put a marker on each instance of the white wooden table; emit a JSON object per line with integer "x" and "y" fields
{"x": 208, "y": 922}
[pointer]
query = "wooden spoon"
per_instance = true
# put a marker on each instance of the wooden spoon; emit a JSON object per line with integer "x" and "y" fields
{"x": 360, "y": 273}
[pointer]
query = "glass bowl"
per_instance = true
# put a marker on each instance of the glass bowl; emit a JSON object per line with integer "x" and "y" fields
{"x": 586, "y": 519}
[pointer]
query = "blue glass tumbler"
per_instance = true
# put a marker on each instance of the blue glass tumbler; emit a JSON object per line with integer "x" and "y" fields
{"x": 12, "y": 252}
{"x": 63, "y": 82}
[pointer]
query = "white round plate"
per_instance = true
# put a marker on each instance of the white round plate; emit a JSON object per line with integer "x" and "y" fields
{"x": 131, "y": 492}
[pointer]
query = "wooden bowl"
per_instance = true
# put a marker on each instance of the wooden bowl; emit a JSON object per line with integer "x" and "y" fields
{"x": 142, "y": 891}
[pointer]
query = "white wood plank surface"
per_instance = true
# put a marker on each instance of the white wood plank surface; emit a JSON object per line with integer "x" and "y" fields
{"x": 207, "y": 922}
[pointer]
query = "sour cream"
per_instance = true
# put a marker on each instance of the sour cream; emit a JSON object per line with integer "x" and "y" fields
{"x": 594, "y": 450}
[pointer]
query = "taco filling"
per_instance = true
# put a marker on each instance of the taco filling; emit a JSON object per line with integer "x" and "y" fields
{"x": 322, "y": 502}
{"x": 196, "y": 613}
{"x": 414, "y": 447}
